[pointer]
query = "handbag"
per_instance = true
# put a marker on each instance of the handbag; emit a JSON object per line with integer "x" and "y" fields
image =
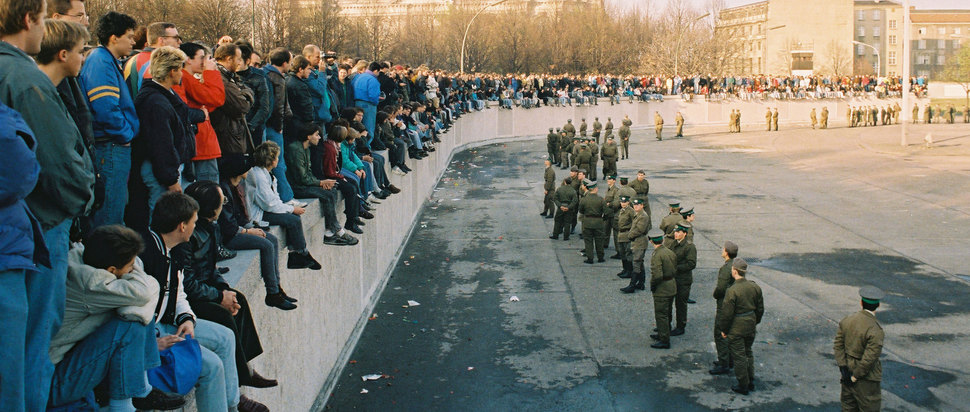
{"x": 180, "y": 369}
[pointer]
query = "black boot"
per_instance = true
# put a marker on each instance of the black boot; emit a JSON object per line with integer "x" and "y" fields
{"x": 277, "y": 300}
{"x": 158, "y": 400}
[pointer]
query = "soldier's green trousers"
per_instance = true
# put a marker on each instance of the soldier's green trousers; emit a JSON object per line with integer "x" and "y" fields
{"x": 662, "y": 306}
{"x": 683, "y": 293}
{"x": 740, "y": 339}
{"x": 609, "y": 167}
{"x": 548, "y": 206}
{"x": 594, "y": 238}
{"x": 625, "y": 148}
{"x": 639, "y": 277}
{"x": 563, "y": 223}
{"x": 623, "y": 249}
{"x": 564, "y": 161}
{"x": 720, "y": 343}
{"x": 862, "y": 396}
{"x": 592, "y": 169}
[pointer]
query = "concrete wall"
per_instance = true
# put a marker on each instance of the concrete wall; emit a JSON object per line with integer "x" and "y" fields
{"x": 305, "y": 349}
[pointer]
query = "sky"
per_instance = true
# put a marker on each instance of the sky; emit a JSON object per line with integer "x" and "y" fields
{"x": 659, "y": 4}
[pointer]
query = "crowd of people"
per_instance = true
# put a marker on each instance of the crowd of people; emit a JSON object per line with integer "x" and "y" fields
{"x": 136, "y": 166}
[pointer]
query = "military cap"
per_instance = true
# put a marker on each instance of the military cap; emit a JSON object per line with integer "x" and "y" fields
{"x": 655, "y": 235}
{"x": 610, "y": 177}
{"x": 577, "y": 138}
{"x": 624, "y": 199}
{"x": 637, "y": 201}
{"x": 740, "y": 265}
{"x": 550, "y": 129}
{"x": 674, "y": 203}
{"x": 574, "y": 169}
{"x": 871, "y": 294}
{"x": 624, "y": 180}
{"x": 590, "y": 184}
{"x": 583, "y": 145}
{"x": 686, "y": 211}
{"x": 569, "y": 121}
{"x": 584, "y": 119}
{"x": 583, "y": 171}
{"x": 610, "y": 136}
{"x": 731, "y": 248}
{"x": 683, "y": 226}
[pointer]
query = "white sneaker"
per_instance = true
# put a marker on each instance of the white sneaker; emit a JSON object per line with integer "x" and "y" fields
{"x": 397, "y": 170}
{"x": 297, "y": 203}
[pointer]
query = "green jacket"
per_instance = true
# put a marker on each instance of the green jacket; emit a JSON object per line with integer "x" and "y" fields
{"x": 592, "y": 207}
{"x": 566, "y": 196}
{"x": 858, "y": 345}
{"x": 686, "y": 260}
{"x": 743, "y": 298}
{"x": 638, "y": 231}
{"x": 570, "y": 130}
{"x": 627, "y": 122}
{"x": 552, "y": 141}
{"x": 609, "y": 126}
{"x": 298, "y": 166}
{"x": 609, "y": 151}
{"x": 565, "y": 143}
{"x": 624, "y": 223}
{"x": 662, "y": 269}
{"x": 65, "y": 187}
{"x": 724, "y": 281}
{"x": 624, "y": 132}
{"x": 597, "y": 127}
{"x": 550, "y": 179}
{"x": 584, "y": 158}
{"x": 669, "y": 222}
{"x": 612, "y": 199}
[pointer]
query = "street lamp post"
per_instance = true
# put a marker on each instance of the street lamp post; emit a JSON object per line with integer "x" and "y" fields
{"x": 907, "y": 34}
{"x": 461, "y": 67}
{"x": 680, "y": 36}
{"x": 874, "y": 50}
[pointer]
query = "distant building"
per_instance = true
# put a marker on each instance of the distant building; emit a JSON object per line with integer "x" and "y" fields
{"x": 797, "y": 37}
{"x": 878, "y": 25}
{"x": 400, "y": 8}
{"x": 937, "y": 35}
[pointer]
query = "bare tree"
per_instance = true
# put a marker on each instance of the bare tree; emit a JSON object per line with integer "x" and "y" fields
{"x": 839, "y": 59}
{"x": 957, "y": 70}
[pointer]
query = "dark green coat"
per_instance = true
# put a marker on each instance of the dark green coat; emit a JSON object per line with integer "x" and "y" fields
{"x": 662, "y": 272}
{"x": 609, "y": 151}
{"x": 740, "y": 299}
{"x": 638, "y": 231}
{"x": 724, "y": 281}
{"x": 570, "y": 130}
{"x": 566, "y": 196}
{"x": 624, "y": 223}
{"x": 592, "y": 207}
{"x": 550, "y": 179}
{"x": 686, "y": 260}
{"x": 858, "y": 345}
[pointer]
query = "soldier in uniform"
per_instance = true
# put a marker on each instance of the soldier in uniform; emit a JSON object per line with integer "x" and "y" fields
{"x": 915, "y": 113}
{"x": 577, "y": 144}
{"x": 687, "y": 212}
{"x": 642, "y": 187}
{"x": 638, "y": 245}
{"x": 569, "y": 129}
{"x": 609, "y": 154}
{"x": 582, "y": 128}
{"x": 594, "y": 150}
{"x": 873, "y": 115}
{"x": 679, "y": 119}
{"x": 737, "y": 122}
{"x": 724, "y": 280}
{"x": 950, "y": 112}
{"x": 608, "y": 129}
{"x": 669, "y": 222}
{"x": 768, "y": 118}
{"x": 813, "y": 118}
{"x": 825, "y": 118}
{"x": 741, "y": 312}
{"x": 597, "y": 129}
{"x": 624, "y": 219}
{"x": 626, "y": 121}
{"x": 928, "y": 114}
{"x": 565, "y": 147}
{"x": 774, "y": 119}
{"x": 592, "y": 207}
{"x": 627, "y": 191}
{"x": 612, "y": 199}
{"x": 583, "y": 157}
{"x": 966, "y": 114}
{"x": 565, "y": 201}
{"x": 578, "y": 181}
{"x": 896, "y": 110}
{"x": 663, "y": 285}
{"x": 686, "y": 262}
{"x": 552, "y": 145}
{"x": 624, "y": 141}
{"x": 858, "y": 344}
{"x": 658, "y": 125}
{"x": 732, "y": 121}
{"x": 549, "y": 187}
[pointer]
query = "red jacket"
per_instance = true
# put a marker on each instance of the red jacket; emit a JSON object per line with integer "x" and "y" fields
{"x": 331, "y": 160}
{"x": 209, "y": 93}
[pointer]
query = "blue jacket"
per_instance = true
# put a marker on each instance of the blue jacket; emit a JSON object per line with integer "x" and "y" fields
{"x": 21, "y": 239}
{"x": 367, "y": 88}
{"x": 320, "y": 95}
{"x": 112, "y": 108}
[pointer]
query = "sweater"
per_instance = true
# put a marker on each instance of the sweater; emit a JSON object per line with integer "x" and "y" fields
{"x": 206, "y": 91}
{"x": 262, "y": 195}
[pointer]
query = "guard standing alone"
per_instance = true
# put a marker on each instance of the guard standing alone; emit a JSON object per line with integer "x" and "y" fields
{"x": 741, "y": 312}
{"x": 858, "y": 345}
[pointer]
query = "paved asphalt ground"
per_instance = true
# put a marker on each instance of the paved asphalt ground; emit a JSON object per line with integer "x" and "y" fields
{"x": 816, "y": 213}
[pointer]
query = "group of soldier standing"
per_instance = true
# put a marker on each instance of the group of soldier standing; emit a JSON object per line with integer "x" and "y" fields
{"x": 624, "y": 212}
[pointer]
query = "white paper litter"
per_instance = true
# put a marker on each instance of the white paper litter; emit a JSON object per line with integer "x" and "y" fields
{"x": 371, "y": 377}
{"x": 514, "y": 299}
{"x": 413, "y": 303}
{"x": 363, "y": 391}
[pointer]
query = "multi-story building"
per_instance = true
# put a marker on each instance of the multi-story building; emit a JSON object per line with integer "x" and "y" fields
{"x": 936, "y": 36}
{"x": 400, "y": 8}
{"x": 788, "y": 37}
{"x": 878, "y": 37}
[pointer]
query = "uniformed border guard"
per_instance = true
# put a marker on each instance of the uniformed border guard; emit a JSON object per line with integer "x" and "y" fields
{"x": 549, "y": 188}
{"x": 566, "y": 201}
{"x": 638, "y": 244}
{"x": 741, "y": 312}
{"x": 663, "y": 285}
{"x": 686, "y": 254}
{"x": 593, "y": 207}
{"x": 858, "y": 345}
{"x": 723, "y": 363}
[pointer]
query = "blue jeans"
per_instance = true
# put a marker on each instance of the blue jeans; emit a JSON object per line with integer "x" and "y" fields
{"x": 206, "y": 170}
{"x": 113, "y": 164}
{"x": 119, "y": 351}
{"x": 13, "y": 337}
{"x": 155, "y": 188}
{"x": 218, "y": 387}
{"x": 269, "y": 253}
{"x": 370, "y": 117}
{"x": 282, "y": 186}
{"x": 46, "y": 293}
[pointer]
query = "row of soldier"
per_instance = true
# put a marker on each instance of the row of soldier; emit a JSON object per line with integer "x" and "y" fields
{"x": 872, "y": 115}
{"x": 931, "y": 114}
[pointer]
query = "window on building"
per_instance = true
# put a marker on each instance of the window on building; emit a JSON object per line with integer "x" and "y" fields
{"x": 862, "y": 15}
{"x": 941, "y": 31}
{"x": 759, "y": 28}
{"x": 941, "y": 44}
{"x": 862, "y": 32}
{"x": 860, "y": 49}
{"x": 940, "y": 60}
{"x": 876, "y": 31}
{"x": 892, "y": 24}
{"x": 892, "y": 74}
{"x": 892, "y": 39}
{"x": 892, "y": 58}
{"x": 921, "y": 44}
{"x": 956, "y": 30}
{"x": 876, "y": 14}
{"x": 921, "y": 30}
{"x": 923, "y": 59}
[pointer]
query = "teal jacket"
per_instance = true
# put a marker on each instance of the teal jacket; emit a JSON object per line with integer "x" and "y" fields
{"x": 350, "y": 162}
{"x": 65, "y": 187}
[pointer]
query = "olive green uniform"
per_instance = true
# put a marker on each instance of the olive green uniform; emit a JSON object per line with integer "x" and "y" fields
{"x": 734, "y": 119}
{"x": 638, "y": 245}
{"x": 552, "y": 145}
{"x": 594, "y": 151}
{"x": 686, "y": 262}
{"x": 582, "y": 128}
{"x": 565, "y": 146}
{"x": 737, "y": 122}
{"x": 630, "y": 193}
{"x": 774, "y": 119}
{"x": 565, "y": 196}
{"x": 658, "y": 125}
{"x": 741, "y": 312}
{"x": 858, "y": 345}
{"x": 597, "y": 129}
{"x": 549, "y": 187}
{"x": 814, "y": 118}
{"x": 592, "y": 207}
{"x": 583, "y": 158}
{"x": 669, "y": 223}
{"x": 768, "y": 119}
{"x": 625, "y": 141}
{"x": 680, "y": 125}
{"x": 664, "y": 288}
{"x": 966, "y": 114}
{"x": 642, "y": 187}
{"x": 570, "y": 130}
{"x": 624, "y": 221}
{"x": 825, "y": 118}
{"x": 608, "y": 129}
{"x": 609, "y": 153}
{"x": 915, "y": 114}
{"x": 724, "y": 281}
{"x": 612, "y": 200}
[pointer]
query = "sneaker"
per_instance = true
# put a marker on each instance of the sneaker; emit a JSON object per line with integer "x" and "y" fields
{"x": 339, "y": 240}
{"x": 397, "y": 170}
{"x": 353, "y": 228}
{"x": 158, "y": 400}
{"x": 297, "y": 203}
{"x": 393, "y": 189}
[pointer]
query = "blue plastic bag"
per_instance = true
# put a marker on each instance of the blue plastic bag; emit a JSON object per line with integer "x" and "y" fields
{"x": 180, "y": 369}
